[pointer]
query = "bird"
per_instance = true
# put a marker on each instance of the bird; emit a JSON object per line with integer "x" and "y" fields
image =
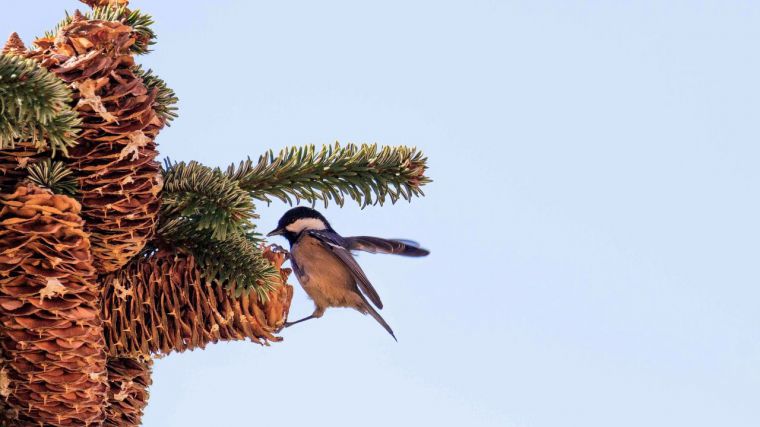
{"x": 324, "y": 265}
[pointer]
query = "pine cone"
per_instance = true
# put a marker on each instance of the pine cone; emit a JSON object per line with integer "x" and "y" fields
{"x": 52, "y": 342}
{"x": 14, "y": 45}
{"x": 162, "y": 304}
{"x": 114, "y": 160}
{"x": 128, "y": 380}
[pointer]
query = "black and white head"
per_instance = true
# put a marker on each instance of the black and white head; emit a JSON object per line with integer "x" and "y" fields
{"x": 296, "y": 220}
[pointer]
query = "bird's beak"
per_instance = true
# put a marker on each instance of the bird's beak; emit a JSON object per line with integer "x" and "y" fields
{"x": 275, "y": 232}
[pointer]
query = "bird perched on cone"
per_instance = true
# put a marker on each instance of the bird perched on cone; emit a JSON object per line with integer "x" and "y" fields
{"x": 323, "y": 263}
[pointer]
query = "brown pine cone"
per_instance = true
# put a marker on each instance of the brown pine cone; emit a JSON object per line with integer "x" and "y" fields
{"x": 52, "y": 343}
{"x": 114, "y": 160}
{"x": 14, "y": 45}
{"x": 128, "y": 381}
{"x": 162, "y": 304}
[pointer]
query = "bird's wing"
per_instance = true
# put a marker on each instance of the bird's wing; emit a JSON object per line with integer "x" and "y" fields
{"x": 335, "y": 244}
{"x": 385, "y": 246}
{"x": 296, "y": 268}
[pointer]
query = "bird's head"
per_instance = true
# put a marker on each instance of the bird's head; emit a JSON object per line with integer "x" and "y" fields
{"x": 298, "y": 219}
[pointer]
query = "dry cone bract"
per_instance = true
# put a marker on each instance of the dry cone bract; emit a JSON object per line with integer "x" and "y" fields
{"x": 162, "y": 304}
{"x": 114, "y": 161}
{"x": 52, "y": 342}
{"x": 14, "y": 45}
{"x": 128, "y": 381}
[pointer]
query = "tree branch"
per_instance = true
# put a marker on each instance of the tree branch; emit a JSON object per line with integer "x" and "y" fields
{"x": 206, "y": 198}
{"x": 367, "y": 174}
{"x": 34, "y": 105}
{"x": 166, "y": 100}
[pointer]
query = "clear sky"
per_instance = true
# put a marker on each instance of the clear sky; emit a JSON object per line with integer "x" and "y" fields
{"x": 593, "y": 221}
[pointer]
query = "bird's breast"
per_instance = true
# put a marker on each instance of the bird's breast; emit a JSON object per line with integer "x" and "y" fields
{"x": 318, "y": 269}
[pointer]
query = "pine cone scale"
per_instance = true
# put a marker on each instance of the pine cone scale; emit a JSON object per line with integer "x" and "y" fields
{"x": 52, "y": 345}
{"x": 169, "y": 307}
{"x": 114, "y": 161}
{"x": 128, "y": 395}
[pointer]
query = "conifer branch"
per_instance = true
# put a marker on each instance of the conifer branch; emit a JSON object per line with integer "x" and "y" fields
{"x": 34, "y": 106}
{"x": 54, "y": 175}
{"x": 207, "y": 197}
{"x": 165, "y": 104}
{"x": 367, "y": 174}
{"x": 206, "y": 213}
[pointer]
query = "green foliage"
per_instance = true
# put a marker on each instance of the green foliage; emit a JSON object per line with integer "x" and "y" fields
{"x": 236, "y": 261}
{"x": 166, "y": 100}
{"x": 208, "y": 214}
{"x": 207, "y": 198}
{"x": 366, "y": 174}
{"x": 34, "y": 106}
{"x": 54, "y": 175}
{"x": 141, "y": 24}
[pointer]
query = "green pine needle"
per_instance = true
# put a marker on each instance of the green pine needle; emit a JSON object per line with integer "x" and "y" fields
{"x": 209, "y": 215}
{"x": 54, "y": 175}
{"x": 166, "y": 100}
{"x": 34, "y": 106}
{"x": 366, "y": 174}
{"x": 214, "y": 202}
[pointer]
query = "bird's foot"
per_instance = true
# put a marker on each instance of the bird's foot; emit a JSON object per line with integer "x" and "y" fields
{"x": 279, "y": 249}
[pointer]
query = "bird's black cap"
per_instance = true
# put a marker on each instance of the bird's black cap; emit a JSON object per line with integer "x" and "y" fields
{"x": 293, "y": 215}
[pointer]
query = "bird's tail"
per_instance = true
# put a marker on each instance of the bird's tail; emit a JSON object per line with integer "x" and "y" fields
{"x": 372, "y": 312}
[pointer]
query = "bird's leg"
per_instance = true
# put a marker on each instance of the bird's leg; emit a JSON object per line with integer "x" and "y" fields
{"x": 316, "y": 315}
{"x": 289, "y": 324}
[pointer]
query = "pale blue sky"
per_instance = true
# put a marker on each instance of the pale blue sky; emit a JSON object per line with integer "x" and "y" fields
{"x": 593, "y": 221}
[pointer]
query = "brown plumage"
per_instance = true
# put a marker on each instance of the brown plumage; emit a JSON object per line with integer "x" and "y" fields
{"x": 323, "y": 263}
{"x": 327, "y": 282}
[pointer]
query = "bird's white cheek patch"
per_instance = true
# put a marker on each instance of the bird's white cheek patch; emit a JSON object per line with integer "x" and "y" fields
{"x": 306, "y": 224}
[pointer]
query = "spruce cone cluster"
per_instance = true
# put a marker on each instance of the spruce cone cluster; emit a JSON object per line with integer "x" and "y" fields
{"x": 162, "y": 304}
{"x": 53, "y": 370}
{"x": 114, "y": 161}
{"x": 90, "y": 288}
{"x": 128, "y": 381}
{"x": 52, "y": 343}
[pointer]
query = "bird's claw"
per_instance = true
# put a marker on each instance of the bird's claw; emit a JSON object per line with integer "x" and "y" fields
{"x": 279, "y": 249}
{"x": 283, "y": 326}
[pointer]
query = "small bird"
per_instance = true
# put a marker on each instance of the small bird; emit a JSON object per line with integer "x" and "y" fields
{"x": 323, "y": 263}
